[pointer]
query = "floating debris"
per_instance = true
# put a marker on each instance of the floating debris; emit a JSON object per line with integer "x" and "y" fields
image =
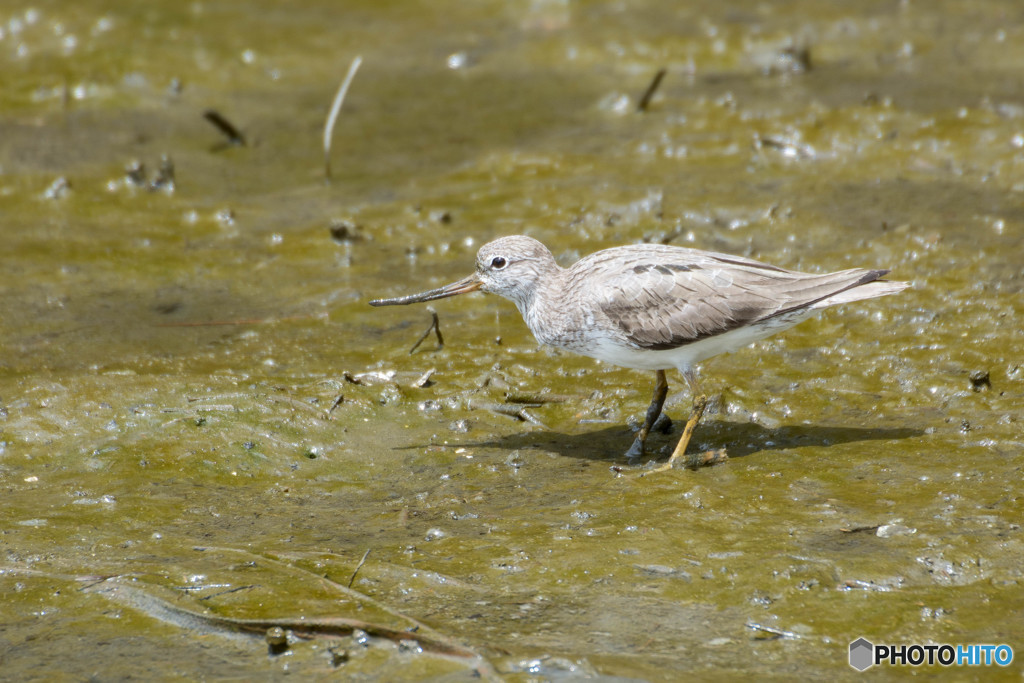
{"x": 345, "y": 232}
{"x": 58, "y": 189}
{"x": 337, "y": 657}
{"x": 164, "y": 178}
{"x": 370, "y": 378}
{"x": 441, "y": 216}
{"x": 424, "y": 379}
{"x": 793, "y": 59}
{"x": 980, "y": 380}
{"x": 788, "y": 149}
{"x": 135, "y": 173}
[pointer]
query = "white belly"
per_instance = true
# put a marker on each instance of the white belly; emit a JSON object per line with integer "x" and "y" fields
{"x": 687, "y": 356}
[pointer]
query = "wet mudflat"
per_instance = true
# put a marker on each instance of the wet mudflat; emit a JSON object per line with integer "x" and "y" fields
{"x": 205, "y": 431}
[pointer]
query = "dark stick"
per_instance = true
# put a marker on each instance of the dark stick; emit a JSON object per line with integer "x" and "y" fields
{"x": 230, "y": 590}
{"x": 435, "y": 326}
{"x": 337, "y": 402}
{"x": 651, "y": 89}
{"x": 233, "y": 135}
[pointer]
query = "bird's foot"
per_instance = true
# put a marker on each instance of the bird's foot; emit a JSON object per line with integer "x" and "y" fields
{"x": 635, "y": 452}
{"x": 693, "y": 461}
{"x": 663, "y": 425}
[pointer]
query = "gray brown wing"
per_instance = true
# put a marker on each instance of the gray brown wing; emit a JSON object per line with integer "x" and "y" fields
{"x": 667, "y": 303}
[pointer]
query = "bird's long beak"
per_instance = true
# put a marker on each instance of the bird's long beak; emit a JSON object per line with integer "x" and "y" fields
{"x": 468, "y": 284}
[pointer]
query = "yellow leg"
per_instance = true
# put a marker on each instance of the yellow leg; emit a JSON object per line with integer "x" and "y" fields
{"x": 700, "y": 403}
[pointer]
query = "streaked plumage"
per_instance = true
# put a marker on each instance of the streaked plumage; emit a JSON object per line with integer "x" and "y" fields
{"x": 654, "y": 307}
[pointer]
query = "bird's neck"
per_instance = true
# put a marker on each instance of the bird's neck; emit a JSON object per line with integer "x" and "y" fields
{"x": 541, "y": 306}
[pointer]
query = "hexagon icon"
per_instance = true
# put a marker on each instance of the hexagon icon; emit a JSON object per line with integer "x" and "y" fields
{"x": 862, "y": 654}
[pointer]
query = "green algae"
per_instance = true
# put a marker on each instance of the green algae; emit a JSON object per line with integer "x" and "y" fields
{"x": 199, "y": 369}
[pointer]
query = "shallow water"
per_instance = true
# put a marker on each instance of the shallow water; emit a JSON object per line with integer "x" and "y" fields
{"x": 196, "y": 401}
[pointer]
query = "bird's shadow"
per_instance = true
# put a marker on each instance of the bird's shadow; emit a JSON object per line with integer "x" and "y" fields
{"x": 738, "y": 438}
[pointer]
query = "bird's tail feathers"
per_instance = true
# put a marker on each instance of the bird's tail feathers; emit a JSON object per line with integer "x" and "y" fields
{"x": 869, "y": 290}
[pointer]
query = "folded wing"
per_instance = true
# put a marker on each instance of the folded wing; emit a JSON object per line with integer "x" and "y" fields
{"x": 672, "y": 296}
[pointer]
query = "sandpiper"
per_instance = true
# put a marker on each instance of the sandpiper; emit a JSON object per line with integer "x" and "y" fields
{"x": 654, "y": 307}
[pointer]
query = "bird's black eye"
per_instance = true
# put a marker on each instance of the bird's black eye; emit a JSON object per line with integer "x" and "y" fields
{"x": 498, "y": 262}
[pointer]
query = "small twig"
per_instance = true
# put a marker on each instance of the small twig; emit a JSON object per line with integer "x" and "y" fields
{"x": 233, "y": 135}
{"x": 230, "y": 590}
{"x": 294, "y": 402}
{"x": 337, "y": 402}
{"x": 537, "y": 399}
{"x": 529, "y": 417}
{"x": 358, "y": 567}
{"x": 516, "y": 410}
{"x": 417, "y": 631}
{"x": 435, "y": 326}
{"x": 501, "y": 409}
{"x": 303, "y": 627}
{"x": 777, "y": 632}
{"x": 332, "y": 116}
{"x": 214, "y": 407}
{"x": 651, "y": 89}
{"x": 219, "y": 397}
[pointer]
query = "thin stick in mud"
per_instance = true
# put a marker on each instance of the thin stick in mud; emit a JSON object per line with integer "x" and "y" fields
{"x": 332, "y": 116}
{"x": 648, "y": 95}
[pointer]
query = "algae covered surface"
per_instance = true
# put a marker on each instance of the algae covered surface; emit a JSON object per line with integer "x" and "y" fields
{"x": 206, "y": 432}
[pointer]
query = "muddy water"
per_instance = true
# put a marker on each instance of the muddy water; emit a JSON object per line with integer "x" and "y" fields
{"x": 199, "y": 414}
